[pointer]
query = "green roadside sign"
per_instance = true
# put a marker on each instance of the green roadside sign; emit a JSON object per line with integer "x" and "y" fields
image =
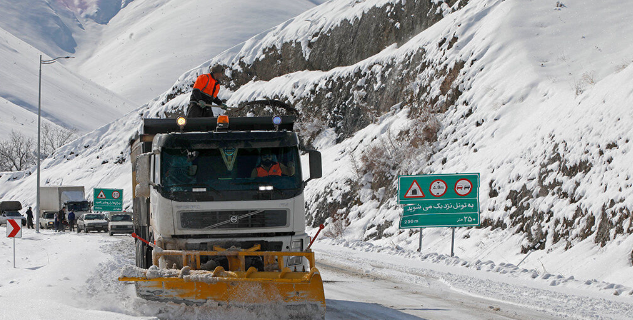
{"x": 439, "y": 200}
{"x": 439, "y": 220}
{"x": 108, "y": 199}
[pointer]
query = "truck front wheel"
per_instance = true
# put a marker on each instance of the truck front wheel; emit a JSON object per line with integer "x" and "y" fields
{"x": 143, "y": 255}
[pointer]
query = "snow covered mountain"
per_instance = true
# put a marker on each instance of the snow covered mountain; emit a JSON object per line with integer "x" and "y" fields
{"x": 137, "y": 53}
{"x": 68, "y": 100}
{"x": 140, "y": 52}
{"x": 532, "y": 97}
{"x": 137, "y": 48}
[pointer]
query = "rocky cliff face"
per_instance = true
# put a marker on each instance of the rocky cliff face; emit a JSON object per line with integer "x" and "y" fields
{"x": 347, "y": 43}
{"x": 350, "y": 102}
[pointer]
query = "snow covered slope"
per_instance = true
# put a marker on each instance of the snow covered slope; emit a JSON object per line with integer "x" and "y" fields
{"x": 44, "y": 25}
{"x": 140, "y": 52}
{"x": 68, "y": 100}
{"x": 532, "y": 97}
{"x": 542, "y": 114}
{"x": 74, "y": 276}
{"x": 137, "y": 48}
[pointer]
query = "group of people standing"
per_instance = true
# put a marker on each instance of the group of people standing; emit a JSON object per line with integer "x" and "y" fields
{"x": 61, "y": 220}
{"x": 60, "y": 223}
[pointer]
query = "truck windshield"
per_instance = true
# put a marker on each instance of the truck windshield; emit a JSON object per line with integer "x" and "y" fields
{"x": 78, "y": 206}
{"x": 231, "y": 169}
{"x": 121, "y": 217}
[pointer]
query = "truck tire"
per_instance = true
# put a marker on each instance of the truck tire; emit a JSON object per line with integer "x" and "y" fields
{"x": 143, "y": 255}
{"x": 111, "y": 234}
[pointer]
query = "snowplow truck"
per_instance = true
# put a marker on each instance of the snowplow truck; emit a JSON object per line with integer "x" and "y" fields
{"x": 219, "y": 214}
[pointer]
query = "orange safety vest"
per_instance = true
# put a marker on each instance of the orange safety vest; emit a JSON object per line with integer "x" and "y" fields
{"x": 208, "y": 85}
{"x": 275, "y": 170}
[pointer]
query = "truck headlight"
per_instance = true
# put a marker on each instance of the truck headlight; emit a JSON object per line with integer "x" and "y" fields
{"x": 296, "y": 245}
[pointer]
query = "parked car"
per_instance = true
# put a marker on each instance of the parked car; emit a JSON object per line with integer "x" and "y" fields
{"x": 92, "y": 222}
{"x": 47, "y": 220}
{"x": 11, "y": 215}
{"x": 121, "y": 223}
{"x": 10, "y": 210}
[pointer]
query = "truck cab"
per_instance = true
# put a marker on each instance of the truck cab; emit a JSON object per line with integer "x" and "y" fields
{"x": 200, "y": 187}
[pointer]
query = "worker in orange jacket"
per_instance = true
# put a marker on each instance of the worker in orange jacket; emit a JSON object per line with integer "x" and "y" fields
{"x": 205, "y": 93}
{"x": 269, "y": 166}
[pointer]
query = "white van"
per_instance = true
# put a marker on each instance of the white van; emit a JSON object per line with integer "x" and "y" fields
{"x": 120, "y": 223}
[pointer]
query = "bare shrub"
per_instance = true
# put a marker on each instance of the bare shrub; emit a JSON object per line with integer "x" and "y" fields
{"x": 356, "y": 167}
{"x": 622, "y": 66}
{"x": 382, "y": 158}
{"x": 589, "y": 78}
{"x": 16, "y": 153}
{"x": 54, "y": 137}
{"x": 336, "y": 227}
{"x": 579, "y": 87}
{"x": 401, "y": 153}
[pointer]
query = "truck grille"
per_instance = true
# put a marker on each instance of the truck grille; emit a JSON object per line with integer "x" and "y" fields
{"x": 229, "y": 219}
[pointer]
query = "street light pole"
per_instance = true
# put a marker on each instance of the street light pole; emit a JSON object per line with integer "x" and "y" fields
{"x": 39, "y": 122}
{"x": 39, "y": 119}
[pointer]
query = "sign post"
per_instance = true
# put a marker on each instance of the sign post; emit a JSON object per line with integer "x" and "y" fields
{"x": 452, "y": 240}
{"x": 14, "y": 230}
{"x": 108, "y": 199}
{"x": 439, "y": 200}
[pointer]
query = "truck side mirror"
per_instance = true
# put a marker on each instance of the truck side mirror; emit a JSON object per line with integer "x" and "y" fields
{"x": 142, "y": 175}
{"x": 316, "y": 171}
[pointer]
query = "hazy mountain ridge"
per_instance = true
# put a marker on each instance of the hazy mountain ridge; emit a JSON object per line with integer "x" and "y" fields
{"x": 73, "y": 103}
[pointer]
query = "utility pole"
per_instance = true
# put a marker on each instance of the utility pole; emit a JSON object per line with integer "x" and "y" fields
{"x": 39, "y": 129}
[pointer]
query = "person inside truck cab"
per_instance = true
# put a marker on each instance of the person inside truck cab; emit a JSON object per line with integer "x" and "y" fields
{"x": 205, "y": 93}
{"x": 269, "y": 166}
{"x": 179, "y": 170}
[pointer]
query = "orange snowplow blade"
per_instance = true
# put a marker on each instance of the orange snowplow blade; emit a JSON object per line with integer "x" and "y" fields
{"x": 240, "y": 288}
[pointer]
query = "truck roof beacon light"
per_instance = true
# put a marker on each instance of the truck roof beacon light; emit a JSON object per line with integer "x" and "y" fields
{"x": 277, "y": 122}
{"x": 223, "y": 122}
{"x": 181, "y": 121}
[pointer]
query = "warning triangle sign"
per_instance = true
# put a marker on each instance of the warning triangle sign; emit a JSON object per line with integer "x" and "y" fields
{"x": 414, "y": 191}
{"x": 101, "y": 195}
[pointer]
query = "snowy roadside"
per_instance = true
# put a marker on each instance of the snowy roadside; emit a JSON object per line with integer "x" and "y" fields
{"x": 554, "y": 294}
{"x": 74, "y": 276}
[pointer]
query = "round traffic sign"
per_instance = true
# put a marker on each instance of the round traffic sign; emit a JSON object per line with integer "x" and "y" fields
{"x": 438, "y": 188}
{"x": 115, "y": 194}
{"x": 463, "y": 187}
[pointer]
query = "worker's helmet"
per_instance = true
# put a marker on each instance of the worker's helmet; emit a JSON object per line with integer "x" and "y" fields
{"x": 216, "y": 69}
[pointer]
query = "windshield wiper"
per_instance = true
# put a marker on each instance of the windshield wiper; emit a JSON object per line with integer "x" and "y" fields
{"x": 193, "y": 185}
{"x": 252, "y": 213}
